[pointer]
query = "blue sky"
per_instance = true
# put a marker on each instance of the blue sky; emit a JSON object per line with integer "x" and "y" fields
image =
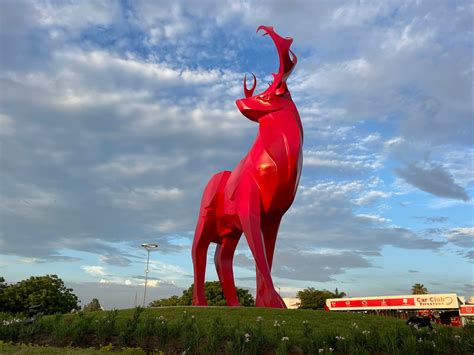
{"x": 114, "y": 114}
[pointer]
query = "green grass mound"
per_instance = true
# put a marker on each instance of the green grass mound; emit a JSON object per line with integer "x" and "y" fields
{"x": 224, "y": 330}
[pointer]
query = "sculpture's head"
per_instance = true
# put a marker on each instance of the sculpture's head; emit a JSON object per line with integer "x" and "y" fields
{"x": 277, "y": 96}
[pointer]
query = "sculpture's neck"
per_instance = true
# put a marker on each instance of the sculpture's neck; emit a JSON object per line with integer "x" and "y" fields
{"x": 283, "y": 123}
{"x": 281, "y": 135}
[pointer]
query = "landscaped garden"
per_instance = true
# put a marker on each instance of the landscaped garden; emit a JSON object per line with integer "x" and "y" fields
{"x": 211, "y": 330}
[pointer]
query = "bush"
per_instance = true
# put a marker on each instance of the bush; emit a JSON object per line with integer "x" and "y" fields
{"x": 131, "y": 324}
{"x": 105, "y": 326}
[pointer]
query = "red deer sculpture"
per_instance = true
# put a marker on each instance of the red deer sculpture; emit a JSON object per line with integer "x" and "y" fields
{"x": 253, "y": 198}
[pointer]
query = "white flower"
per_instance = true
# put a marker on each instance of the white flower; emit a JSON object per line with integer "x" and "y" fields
{"x": 420, "y": 340}
{"x": 434, "y": 344}
{"x": 340, "y": 337}
{"x": 366, "y": 332}
{"x": 320, "y": 351}
{"x": 185, "y": 313}
{"x": 259, "y": 319}
{"x": 192, "y": 317}
{"x": 285, "y": 339}
{"x": 458, "y": 337}
{"x": 247, "y": 335}
{"x": 331, "y": 349}
{"x": 283, "y": 322}
{"x": 306, "y": 322}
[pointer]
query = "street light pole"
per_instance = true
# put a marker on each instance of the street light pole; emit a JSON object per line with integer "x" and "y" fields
{"x": 149, "y": 247}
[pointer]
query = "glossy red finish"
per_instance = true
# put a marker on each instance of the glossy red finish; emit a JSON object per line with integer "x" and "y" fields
{"x": 253, "y": 198}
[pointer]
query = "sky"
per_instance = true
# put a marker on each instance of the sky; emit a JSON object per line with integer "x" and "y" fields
{"x": 114, "y": 114}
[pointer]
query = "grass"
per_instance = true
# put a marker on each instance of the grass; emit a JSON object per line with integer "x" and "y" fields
{"x": 211, "y": 330}
{"x": 26, "y": 349}
{"x": 319, "y": 320}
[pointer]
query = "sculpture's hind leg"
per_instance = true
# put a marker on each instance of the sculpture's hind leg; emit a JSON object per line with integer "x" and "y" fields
{"x": 206, "y": 233}
{"x": 223, "y": 259}
{"x": 199, "y": 254}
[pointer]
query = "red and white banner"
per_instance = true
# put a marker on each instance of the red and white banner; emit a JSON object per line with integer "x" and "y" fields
{"x": 466, "y": 310}
{"x": 429, "y": 301}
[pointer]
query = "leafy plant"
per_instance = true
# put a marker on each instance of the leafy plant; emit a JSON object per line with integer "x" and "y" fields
{"x": 81, "y": 327}
{"x": 126, "y": 335}
{"x": 105, "y": 326}
{"x": 145, "y": 331}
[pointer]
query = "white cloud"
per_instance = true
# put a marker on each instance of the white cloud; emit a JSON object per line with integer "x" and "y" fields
{"x": 94, "y": 270}
{"x": 372, "y": 218}
{"x": 357, "y": 14}
{"x": 406, "y": 39}
{"x": 340, "y": 161}
{"x": 6, "y": 125}
{"x": 28, "y": 201}
{"x": 461, "y": 236}
{"x": 141, "y": 198}
{"x": 77, "y": 15}
{"x": 134, "y": 165}
{"x": 371, "y": 196}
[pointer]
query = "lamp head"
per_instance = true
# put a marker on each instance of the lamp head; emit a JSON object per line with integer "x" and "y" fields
{"x": 149, "y": 246}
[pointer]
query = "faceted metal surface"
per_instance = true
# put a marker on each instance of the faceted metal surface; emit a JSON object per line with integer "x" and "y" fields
{"x": 253, "y": 197}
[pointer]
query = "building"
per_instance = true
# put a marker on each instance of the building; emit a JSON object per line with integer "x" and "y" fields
{"x": 443, "y": 308}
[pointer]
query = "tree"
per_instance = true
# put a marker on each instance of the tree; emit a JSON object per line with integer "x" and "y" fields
{"x": 214, "y": 295}
{"x": 310, "y": 298}
{"x": 164, "y": 302}
{"x": 419, "y": 289}
{"x": 338, "y": 294}
{"x": 47, "y": 290}
{"x": 3, "y": 286}
{"x": 94, "y": 305}
{"x": 2, "y": 282}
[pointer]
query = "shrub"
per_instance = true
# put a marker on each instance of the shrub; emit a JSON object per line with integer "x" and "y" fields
{"x": 105, "y": 326}
{"x": 126, "y": 335}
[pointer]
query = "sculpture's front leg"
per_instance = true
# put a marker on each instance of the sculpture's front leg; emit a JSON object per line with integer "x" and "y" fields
{"x": 249, "y": 210}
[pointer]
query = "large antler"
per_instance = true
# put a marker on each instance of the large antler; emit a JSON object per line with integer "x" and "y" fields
{"x": 287, "y": 58}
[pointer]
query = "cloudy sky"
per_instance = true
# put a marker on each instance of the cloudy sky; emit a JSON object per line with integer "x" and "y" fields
{"x": 114, "y": 114}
